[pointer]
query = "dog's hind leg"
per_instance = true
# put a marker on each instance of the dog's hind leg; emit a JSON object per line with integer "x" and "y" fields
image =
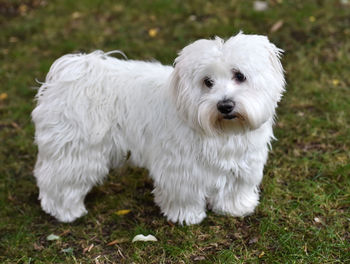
{"x": 65, "y": 180}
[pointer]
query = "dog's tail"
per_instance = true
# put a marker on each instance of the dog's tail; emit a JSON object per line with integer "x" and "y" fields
{"x": 72, "y": 67}
{"x": 117, "y": 52}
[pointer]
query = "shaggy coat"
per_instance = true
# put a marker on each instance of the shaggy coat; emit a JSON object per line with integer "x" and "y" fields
{"x": 93, "y": 109}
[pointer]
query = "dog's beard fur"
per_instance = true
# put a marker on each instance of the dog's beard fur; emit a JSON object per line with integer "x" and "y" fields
{"x": 213, "y": 123}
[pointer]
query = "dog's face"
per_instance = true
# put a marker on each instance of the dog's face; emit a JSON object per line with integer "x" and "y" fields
{"x": 228, "y": 87}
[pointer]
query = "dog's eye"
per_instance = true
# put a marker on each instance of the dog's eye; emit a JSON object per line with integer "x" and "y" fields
{"x": 208, "y": 82}
{"x": 238, "y": 76}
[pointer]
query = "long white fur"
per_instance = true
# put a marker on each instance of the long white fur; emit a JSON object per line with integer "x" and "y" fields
{"x": 93, "y": 109}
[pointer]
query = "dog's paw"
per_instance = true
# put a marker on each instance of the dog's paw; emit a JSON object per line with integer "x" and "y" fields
{"x": 71, "y": 214}
{"x": 236, "y": 208}
{"x": 185, "y": 216}
{"x": 63, "y": 213}
{"x": 233, "y": 210}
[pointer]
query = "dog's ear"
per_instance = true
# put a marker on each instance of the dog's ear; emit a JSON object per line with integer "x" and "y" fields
{"x": 192, "y": 57}
{"x": 275, "y": 55}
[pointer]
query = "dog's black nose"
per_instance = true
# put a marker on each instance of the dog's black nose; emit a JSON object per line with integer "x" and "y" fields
{"x": 225, "y": 106}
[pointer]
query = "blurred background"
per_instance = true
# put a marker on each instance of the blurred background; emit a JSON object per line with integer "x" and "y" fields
{"x": 304, "y": 214}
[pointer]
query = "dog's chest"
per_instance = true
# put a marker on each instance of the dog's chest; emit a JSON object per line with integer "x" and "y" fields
{"x": 225, "y": 154}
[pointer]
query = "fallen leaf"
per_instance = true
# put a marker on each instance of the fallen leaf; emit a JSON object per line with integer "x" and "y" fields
{"x": 318, "y": 220}
{"x": 65, "y": 232}
{"x": 76, "y": 15}
{"x": 300, "y": 113}
{"x": 67, "y": 250}
{"x": 144, "y": 238}
{"x": 260, "y": 6}
{"x": 3, "y": 96}
{"x": 192, "y": 18}
{"x": 38, "y": 247}
{"x": 52, "y": 237}
{"x": 305, "y": 249}
{"x": 261, "y": 254}
{"x": 312, "y": 19}
{"x": 253, "y": 240}
{"x": 276, "y": 26}
{"x": 88, "y": 249}
{"x": 171, "y": 223}
{"x": 10, "y": 198}
{"x": 123, "y": 212}
{"x": 96, "y": 259}
{"x": 203, "y": 237}
{"x": 13, "y": 39}
{"x": 153, "y": 32}
{"x": 15, "y": 125}
{"x": 117, "y": 241}
{"x": 237, "y": 235}
{"x": 335, "y": 82}
{"x": 199, "y": 258}
{"x": 118, "y": 8}
{"x": 22, "y": 9}
{"x": 120, "y": 252}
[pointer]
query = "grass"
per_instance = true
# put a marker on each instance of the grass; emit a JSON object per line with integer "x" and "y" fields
{"x": 304, "y": 214}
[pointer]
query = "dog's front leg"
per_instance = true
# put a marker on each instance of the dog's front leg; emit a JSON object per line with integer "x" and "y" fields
{"x": 235, "y": 199}
{"x": 180, "y": 201}
{"x": 238, "y": 195}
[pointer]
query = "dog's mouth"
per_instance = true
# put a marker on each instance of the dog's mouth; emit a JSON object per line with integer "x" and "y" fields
{"x": 233, "y": 116}
{"x": 229, "y": 117}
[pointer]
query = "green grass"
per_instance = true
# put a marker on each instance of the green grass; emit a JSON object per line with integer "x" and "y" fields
{"x": 304, "y": 214}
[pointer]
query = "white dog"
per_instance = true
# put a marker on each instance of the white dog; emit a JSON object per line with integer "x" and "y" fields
{"x": 202, "y": 128}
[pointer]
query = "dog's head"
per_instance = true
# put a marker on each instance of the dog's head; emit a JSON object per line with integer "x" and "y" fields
{"x": 228, "y": 86}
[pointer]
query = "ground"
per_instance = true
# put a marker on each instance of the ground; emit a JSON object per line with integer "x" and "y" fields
{"x": 304, "y": 214}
